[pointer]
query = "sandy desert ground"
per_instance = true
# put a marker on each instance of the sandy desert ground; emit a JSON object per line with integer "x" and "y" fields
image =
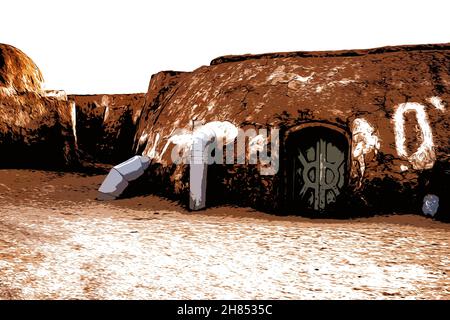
{"x": 57, "y": 242}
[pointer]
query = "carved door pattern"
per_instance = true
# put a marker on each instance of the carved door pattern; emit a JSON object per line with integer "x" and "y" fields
{"x": 318, "y": 173}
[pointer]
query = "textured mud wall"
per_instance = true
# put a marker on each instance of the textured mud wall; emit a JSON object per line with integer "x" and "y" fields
{"x": 391, "y": 102}
{"x": 36, "y": 127}
{"x": 159, "y": 91}
{"x": 106, "y": 125}
{"x": 165, "y": 179}
{"x": 48, "y": 128}
{"x": 36, "y": 131}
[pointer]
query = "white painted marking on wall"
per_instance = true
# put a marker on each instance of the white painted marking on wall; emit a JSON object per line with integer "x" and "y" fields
{"x": 424, "y": 157}
{"x": 105, "y": 103}
{"x": 105, "y": 117}
{"x": 437, "y": 103}
{"x": 143, "y": 138}
{"x": 152, "y": 152}
{"x": 346, "y": 81}
{"x": 183, "y": 142}
{"x": 303, "y": 79}
{"x": 364, "y": 141}
{"x": 256, "y": 144}
{"x": 224, "y": 130}
{"x": 73, "y": 118}
{"x": 279, "y": 75}
{"x": 136, "y": 115}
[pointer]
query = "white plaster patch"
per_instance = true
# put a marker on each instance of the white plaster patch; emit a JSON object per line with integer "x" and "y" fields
{"x": 259, "y": 107}
{"x": 152, "y": 152}
{"x": 424, "y": 157}
{"x": 346, "y": 81}
{"x": 143, "y": 138}
{"x": 278, "y": 73}
{"x": 105, "y": 117}
{"x": 136, "y": 116}
{"x": 8, "y": 91}
{"x": 303, "y": 79}
{"x": 58, "y": 94}
{"x": 73, "y": 118}
{"x": 224, "y": 130}
{"x": 183, "y": 140}
{"x": 437, "y": 103}
{"x": 280, "y": 76}
{"x": 337, "y": 112}
{"x": 105, "y": 101}
{"x": 364, "y": 141}
{"x": 257, "y": 143}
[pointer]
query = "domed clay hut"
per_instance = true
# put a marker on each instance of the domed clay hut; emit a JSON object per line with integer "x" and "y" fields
{"x": 358, "y": 130}
{"x": 36, "y": 129}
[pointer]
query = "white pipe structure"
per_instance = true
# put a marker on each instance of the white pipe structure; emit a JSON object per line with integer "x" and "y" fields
{"x": 202, "y": 138}
{"x": 198, "y": 173}
{"x": 118, "y": 178}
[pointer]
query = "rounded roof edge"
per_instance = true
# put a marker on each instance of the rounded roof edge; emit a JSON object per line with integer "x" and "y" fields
{"x": 332, "y": 53}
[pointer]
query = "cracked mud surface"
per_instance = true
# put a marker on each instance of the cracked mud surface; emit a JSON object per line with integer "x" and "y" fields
{"x": 56, "y": 242}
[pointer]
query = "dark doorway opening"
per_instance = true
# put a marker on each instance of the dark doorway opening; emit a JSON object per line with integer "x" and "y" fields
{"x": 316, "y": 170}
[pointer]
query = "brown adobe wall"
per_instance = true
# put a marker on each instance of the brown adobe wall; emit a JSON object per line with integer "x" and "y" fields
{"x": 289, "y": 90}
{"x": 106, "y": 125}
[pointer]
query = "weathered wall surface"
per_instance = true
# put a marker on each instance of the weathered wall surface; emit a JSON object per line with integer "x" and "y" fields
{"x": 48, "y": 128}
{"x": 393, "y": 102}
{"x": 106, "y": 125}
{"x": 36, "y": 127}
{"x": 36, "y": 131}
{"x": 159, "y": 90}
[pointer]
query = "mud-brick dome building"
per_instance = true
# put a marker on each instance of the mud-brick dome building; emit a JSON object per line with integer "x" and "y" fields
{"x": 48, "y": 129}
{"x": 365, "y": 129}
{"x": 37, "y": 127}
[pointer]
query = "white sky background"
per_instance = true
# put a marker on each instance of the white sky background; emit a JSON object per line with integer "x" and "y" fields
{"x": 94, "y": 46}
